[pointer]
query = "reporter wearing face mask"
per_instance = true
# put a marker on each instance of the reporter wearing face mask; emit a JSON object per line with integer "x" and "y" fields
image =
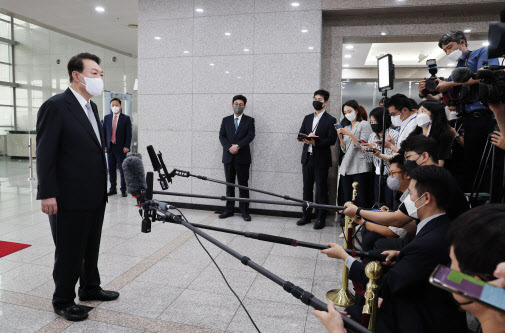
{"x": 117, "y": 129}
{"x": 432, "y": 122}
{"x": 73, "y": 185}
{"x": 478, "y": 120}
{"x": 355, "y": 166}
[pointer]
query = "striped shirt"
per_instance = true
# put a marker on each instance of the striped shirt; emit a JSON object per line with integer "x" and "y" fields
{"x": 376, "y": 160}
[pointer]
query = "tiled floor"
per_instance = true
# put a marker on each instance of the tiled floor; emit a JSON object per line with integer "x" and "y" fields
{"x": 167, "y": 282}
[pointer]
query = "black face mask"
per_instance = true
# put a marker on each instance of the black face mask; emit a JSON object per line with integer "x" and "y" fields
{"x": 410, "y": 165}
{"x": 317, "y": 105}
{"x": 376, "y": 128}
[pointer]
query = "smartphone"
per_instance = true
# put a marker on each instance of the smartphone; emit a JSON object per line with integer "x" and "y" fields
{"x": 338, "y": 126}
{"x": 373, "y": 150}
{"x": 468, "y": 286}
{"x": 362, "y": 142}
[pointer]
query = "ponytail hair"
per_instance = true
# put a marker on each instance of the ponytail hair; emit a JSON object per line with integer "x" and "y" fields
{"x": 362, "y": 113}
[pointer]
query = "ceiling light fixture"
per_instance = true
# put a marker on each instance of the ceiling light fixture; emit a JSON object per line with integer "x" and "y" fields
{"x": 305, "y": 30}
{"x": 383, "y": 33}
{"x": 212, "y": 64}
{"x": 467, "y": 31}
{"x": 157, "y": 37}
{"x": 186, "y": 52}
{"x": 100, "y": 9}
{"x": 347, "y": 56}
{"x": 311, "y": 47}
{"x": 295, "y": 4}
{"x": 246, "y": 50}
{"x": 227, "y": 33}
{"x": 349, "y": 47}
{"x": 345, "y": 65}
{"x": 199, "y": 10}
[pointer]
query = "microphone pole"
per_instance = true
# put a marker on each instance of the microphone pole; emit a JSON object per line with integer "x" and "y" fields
{"x": 304, "y": 296}
{"x": 171, "y": 218}
{"x": 306, "y": 204}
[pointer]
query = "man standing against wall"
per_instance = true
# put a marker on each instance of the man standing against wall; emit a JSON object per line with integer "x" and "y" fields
{"x": 236, "y": 133}
{"x": 73, "y": 185}
{"x": 117, "y": 129}
{"x": 316, "y": 156}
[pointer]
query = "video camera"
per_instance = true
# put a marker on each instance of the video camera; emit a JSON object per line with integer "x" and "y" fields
{"x": 491, "y": 88}
{"x": 431, "y": 82}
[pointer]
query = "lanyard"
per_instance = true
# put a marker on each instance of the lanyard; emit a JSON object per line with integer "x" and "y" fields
{"x": 403, "y": 129}
{"x": 317, "y": 124}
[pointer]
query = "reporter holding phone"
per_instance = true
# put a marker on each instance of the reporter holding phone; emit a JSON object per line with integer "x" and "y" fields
{"x": 355, "y": 167}
{"x": 374, "y": 140}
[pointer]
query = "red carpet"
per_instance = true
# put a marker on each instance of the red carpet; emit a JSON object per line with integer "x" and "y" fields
{"x": 7, "y": 248}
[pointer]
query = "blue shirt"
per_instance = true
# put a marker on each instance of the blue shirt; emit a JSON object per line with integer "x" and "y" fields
{"x": 475, "y": 61}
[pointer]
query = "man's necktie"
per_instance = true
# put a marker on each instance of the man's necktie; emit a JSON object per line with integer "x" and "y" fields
{"x": 236, "y": 124}
{"x": 92, "y": 120}
{"x": 114, "y": 125}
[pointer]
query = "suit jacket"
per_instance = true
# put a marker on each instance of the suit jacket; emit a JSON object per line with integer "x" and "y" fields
{"x": 243, "y": 137}
{"x": 123, "y": 130}
{"x": 327, "y": 134}
{"x": 411, "y": 304}
{"x": 70, "y": 159}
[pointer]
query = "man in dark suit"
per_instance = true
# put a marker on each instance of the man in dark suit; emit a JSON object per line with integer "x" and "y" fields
{"x": 73, "y": 185}
{"x": 316, "y": 156}
{"x": 410, "y": 302}
{"x": 117, "y": 129}
{"x": 236, "y": 133}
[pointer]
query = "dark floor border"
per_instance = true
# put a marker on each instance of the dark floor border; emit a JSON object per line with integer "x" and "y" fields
{"x": 220, "y": 209}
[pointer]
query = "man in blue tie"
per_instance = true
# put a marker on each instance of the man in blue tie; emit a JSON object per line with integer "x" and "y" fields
{"x": 236, "y": 133}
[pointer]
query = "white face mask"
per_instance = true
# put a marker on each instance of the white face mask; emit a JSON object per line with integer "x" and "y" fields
{"x": 115, "y": 109}
{"x": 423, "y": 120}
{"x": 351, "y": 116}
{"x": 453, "y": 115}
{"x": 455, "y": 55}
{"x": 94, "y": 85}
{"x": 411, "y": 206}
{"x": 396, "y": 120}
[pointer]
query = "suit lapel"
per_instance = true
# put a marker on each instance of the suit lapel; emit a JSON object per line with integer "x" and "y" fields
{"x": 310, "y": 122}
{"x": 79, "y": 113}
{"x": 240, "y": 123}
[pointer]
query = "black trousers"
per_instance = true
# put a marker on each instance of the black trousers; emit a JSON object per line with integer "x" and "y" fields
{"x": 313, "y": 174}
{"x": 364, "y": 188}
{"x": 116, "y": 156}
{"x": 76, "y": 235}
{"x": 477, "y": 130}
{"x": 241, "y": 173}
{"x": 388, "y": 197}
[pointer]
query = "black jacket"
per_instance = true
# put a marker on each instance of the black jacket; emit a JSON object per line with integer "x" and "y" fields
{"x": 328, "y": 136}
{"x": 411, "y": 304}
{"x": 70, "y": 160}
{"x": 243, "y": 137}
{"x": 123, "y": 130}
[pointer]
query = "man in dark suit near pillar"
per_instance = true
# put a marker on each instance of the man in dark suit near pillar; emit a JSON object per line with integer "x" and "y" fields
{"x": 316, "y": 156}
{"x": 117, "y": 129}
{"x": 73, "y": 185}
{"x": 236, "y": 133}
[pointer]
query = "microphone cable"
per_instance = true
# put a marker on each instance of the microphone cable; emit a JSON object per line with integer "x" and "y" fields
{"x": 220, "y": 271}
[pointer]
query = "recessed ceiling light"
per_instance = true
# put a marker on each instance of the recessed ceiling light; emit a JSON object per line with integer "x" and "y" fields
{"x": 157, "y": 37}
{"x": 467, "y": 31}
{"x": 238, "y": 77}
{"x": 246, "y": 50}
{"x": 347, "y": 56}
{"x": 211, "y": 64}
{"x": 295, "y": 4}
{"x": 311, "y": 47}
{"x": 305, "y": 30}
{"x": 349, "y": 47}
{"x": 383, "y": 33}
{"x": 186, "y": 52}
{"x": 486, "y": 43}
{"x": 227, "y": 72}
{"x": 199, "y": 10}
{"x": 345, "y": 65}
{"x": 227, "y": 33}
{"x": 100, "y": 9}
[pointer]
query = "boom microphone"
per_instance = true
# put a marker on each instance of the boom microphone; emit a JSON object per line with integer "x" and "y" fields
{"x": 461, "y": 75}
{"x": 134, "y": 175}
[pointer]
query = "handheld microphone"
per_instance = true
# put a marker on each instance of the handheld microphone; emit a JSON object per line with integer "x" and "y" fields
{"x": 461, "y": 75}
{"x": 157, "y": 167}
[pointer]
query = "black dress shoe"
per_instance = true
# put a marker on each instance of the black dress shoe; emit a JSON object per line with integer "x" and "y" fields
{"x": 102, "y": 295}
{"x": 319, "y": 225}
{"x": 71, "y": 312}
{"x": 123, "y": 194}
{"x": 303, "y": 221}
{"x": 246, "y": 217}
{"x": 112, "y": 192}
{"x": 225, "y": 214}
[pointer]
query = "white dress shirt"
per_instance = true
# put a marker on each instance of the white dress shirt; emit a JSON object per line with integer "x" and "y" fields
{"x": 426, "y": 220}
{"x": 239, "y": 119}
{"x": 81, "y": 101}
{"x": 315, "y": 123}
{"x": 407, "y": 127}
